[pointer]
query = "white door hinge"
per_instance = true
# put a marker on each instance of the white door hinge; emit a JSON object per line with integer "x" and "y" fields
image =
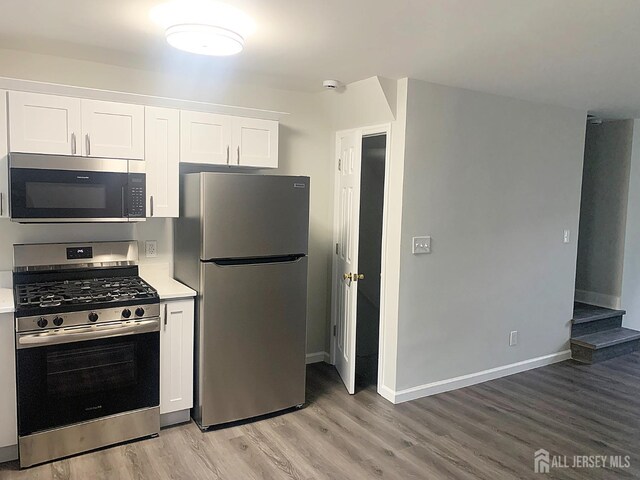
{"x": 335, "y": 330}
{"x": 339, "y": 164}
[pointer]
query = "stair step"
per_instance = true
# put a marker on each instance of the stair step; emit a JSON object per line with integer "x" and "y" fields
{"x": 606, "y": 338}
{"x": 583, "y": 313}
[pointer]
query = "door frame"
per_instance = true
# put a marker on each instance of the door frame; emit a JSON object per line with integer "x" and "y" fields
{"x": 383, "y": 129}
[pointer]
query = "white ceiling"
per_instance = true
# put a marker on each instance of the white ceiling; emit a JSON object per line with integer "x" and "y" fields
{"x": 581, "y": 53}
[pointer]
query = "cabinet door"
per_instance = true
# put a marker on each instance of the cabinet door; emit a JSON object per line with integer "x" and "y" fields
{"x": 112, "y": 130}
{"x": 205, "y": 138}
{"x": 255, "y": 143}
{"x": 162, "y": 156}
{"x": 41, "y": 123}
{"x": 176, "y": 356}
{"x": 8, "y": 413}
{"x": 4, "y": 161}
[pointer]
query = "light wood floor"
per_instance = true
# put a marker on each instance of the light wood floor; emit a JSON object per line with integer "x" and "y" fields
{"x": 488, "y": 431}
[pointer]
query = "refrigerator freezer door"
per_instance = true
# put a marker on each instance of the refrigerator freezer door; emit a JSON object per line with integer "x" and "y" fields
{"x": 246, "y": 216}
{"x": 252, "y": 326}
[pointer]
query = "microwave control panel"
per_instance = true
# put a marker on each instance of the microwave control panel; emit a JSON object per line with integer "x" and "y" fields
{"x": 137, "y": 196}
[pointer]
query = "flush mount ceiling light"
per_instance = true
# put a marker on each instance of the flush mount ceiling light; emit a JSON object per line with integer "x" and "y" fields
{"x": 204, "y": 27}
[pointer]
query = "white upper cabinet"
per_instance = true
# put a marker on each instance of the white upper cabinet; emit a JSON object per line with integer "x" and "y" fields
{"x": 214, "y": 139}
{"x": 4, "y": 159}
{"x": 58, "y": 125}
{"x": 255, "y": 142}
{"x": 205, "y": 138}
{"x": 112, "y": 130}
{"x": 176, "y": 356}
{"x": 41, "y": 123}
{"x": 162, "y": 156}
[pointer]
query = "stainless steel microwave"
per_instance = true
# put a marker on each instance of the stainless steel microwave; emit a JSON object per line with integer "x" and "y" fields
{"x": 58, "y": 188}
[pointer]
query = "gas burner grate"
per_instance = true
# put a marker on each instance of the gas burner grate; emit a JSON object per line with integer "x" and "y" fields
{"x": 71, "y": 292}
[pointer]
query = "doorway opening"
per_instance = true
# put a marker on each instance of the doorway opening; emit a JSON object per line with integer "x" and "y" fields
{"x": 372, "y": 183}
{"x": 358, "y": 283}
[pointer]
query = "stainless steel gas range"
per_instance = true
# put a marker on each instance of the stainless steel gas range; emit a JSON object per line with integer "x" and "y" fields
{"x": 88, "y": 348}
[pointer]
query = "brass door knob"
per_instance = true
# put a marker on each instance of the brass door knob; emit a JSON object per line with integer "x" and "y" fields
{"x": 358, "y": 276}
{"x": 347, "y": 276}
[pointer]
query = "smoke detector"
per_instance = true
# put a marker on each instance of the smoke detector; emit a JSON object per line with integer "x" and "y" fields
{"x": 331, "y": 84}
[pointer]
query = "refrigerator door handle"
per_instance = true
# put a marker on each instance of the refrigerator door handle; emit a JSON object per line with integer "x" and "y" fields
{"x": 230, "y": 262}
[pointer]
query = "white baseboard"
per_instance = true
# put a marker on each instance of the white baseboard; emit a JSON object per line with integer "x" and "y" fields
{"x": 9, "y": 453}
{"x": 318, "y": 357}
{"x": 386, "y": 393}
{"x": 470, "y": 379}
{"x": 598, "y": 299}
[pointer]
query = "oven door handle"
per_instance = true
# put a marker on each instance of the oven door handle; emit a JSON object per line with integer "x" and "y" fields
{"x": 89, "y": 332}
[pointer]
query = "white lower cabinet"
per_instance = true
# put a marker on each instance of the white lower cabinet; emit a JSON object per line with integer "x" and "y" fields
{"x": 8, "y": 412}
{"x": 176, "y": 360}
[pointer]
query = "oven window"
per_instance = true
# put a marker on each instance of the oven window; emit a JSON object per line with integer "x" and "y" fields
{"x": 64, "y": 384}
{"x": 97, "y": 369}
{"x": 65, "y": 195}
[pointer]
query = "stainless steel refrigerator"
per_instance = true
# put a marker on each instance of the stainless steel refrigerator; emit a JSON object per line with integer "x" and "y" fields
{"x": 241, "y": 242}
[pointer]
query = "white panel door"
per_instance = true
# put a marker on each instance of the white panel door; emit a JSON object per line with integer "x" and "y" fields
{"x": 205, "y": 138}
{"x": 112, "y": 130}
{"x": 255, "y": 143}
{"x": 176, "y": 356}
{"x": 41, "y": 123}
{"x": 345, "y": 283}
{"x": 4, "y": 160}
{"x": 8, "y": 413}
{"x": 162, "y": 157}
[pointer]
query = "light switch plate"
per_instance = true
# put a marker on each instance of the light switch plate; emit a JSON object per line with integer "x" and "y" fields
{"x": 151, "y": 248}
{"x": 566, "y": 236}
{"x": 421, "y": 245}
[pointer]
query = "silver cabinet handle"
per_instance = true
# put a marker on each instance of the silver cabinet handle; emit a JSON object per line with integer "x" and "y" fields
{"x": 88, "y": 144}
{"x": 73, "y": 143}
{"x": 151, "y": 204}
{"x": 238, "y": 154}
{"x": 227, "y": 154}
{"x": 165, "y": 315}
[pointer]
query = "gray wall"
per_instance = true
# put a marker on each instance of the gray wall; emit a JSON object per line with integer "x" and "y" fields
{"x": 603, "y": 212}
{"x": 494, "y": 181}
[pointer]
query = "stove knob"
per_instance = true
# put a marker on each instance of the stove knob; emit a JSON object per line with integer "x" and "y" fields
{"x": 139, "y": 312}
{"x": 93, "y": 317}
{"x": 42, "y": 322}
{"x": 57, "y": 321}
{"x": 126, "y": 313}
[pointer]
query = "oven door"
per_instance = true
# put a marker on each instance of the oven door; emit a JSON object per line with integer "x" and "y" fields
{"x": 77, "y": 374}
{"x": 70, "y": 189}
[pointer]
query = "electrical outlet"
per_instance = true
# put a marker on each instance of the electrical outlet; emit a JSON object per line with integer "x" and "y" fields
{"x": 151, "y": 248}
{"x": 513, "y": 338}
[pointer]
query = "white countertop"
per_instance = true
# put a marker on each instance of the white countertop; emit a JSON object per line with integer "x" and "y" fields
{"x": 6, "y": 300}
{"x": 167, "y": 287}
